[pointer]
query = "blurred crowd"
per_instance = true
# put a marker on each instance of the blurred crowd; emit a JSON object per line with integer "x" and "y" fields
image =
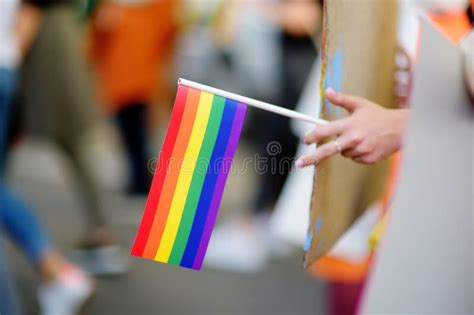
{"x": 68, "y": 67}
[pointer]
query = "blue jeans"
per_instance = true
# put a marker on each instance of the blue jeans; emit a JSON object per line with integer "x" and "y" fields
{"x": 9, "y": 303}
{"x": 16, "y": 217}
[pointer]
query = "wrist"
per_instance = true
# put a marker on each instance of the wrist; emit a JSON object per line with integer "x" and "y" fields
{"x": 401, "y": 122}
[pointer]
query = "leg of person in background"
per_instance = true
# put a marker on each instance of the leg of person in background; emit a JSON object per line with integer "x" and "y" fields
{"x": 65, "y": 109}
{"x": 246, "y": 246}
{"x": 132, "y": 122}
{"x": 98, "y": 252}
{"x": 343, "y": 298}
{"x": 277, "y": 142}
{"x": 277, "y": 146}
{"x": 9, "y": 302}
{"x": 88, "y": 191}
{"x": 64, "y": 286}
{"x": 8, "y": 293}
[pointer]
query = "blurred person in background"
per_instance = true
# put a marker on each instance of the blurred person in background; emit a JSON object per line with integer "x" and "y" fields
{"x": 59, "y": 102}
{"x": 244, "y": 245}
{"x": 64, "y": 287}
{"x": 9, "y": 302}
{"x": 132, "y": 42}
{"x": 468, "y": 49}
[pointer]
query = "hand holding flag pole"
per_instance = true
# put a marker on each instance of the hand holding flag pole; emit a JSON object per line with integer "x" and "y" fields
{"x": 254, "y": 103}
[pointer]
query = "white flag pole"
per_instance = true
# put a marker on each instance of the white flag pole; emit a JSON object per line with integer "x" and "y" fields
{"x": 251, "y": 102}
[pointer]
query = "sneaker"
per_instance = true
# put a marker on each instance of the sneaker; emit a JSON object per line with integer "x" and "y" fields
{"x": 67, "y": 294}
{"x": 99, "y": 254}
{"x": 107, "y": 260}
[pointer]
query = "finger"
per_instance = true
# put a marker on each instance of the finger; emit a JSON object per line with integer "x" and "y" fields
{"x": 345, "y": 142}
{"x": 354, "y": 150}
{"x": 322, "y": 153}
{"x": 366, "y": 159}
{"x": 359, "y": 148}
{"x": 330, "y": 129}
{"x": 349, "y": 102}
{"x": 351, "y": 153}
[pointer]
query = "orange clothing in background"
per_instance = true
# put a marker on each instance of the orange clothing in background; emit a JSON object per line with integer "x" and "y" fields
{"x": 128, "y": 43}
{"x": 455, "y": 25}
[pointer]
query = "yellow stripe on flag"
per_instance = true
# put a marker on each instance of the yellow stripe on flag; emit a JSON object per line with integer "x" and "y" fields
{"x": 185, "y": 177}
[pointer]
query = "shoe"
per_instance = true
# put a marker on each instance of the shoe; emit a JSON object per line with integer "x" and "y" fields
{"x": 99, "y": 254}
{"x": 67, "y": 294}
{"x": 239, "y": 246}
{"x": 107, "y": 260}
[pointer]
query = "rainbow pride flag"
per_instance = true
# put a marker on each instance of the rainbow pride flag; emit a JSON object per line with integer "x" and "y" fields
{"x": 189, "y": 180}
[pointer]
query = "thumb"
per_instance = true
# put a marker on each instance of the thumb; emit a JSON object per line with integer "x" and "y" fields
{"x": 351, "y": 103}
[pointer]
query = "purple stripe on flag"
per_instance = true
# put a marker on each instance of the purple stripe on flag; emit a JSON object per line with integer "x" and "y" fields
{"x": 219, "y": 190}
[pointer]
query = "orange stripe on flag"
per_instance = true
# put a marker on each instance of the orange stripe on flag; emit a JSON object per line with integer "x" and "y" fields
{"x": 171, "y": 179}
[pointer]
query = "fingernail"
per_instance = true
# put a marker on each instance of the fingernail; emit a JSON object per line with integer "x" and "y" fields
{"x": 299, "y": 163}
{"x": 330, "y": 92}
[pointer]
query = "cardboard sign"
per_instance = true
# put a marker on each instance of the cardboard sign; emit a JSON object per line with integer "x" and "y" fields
{"x": 359, "y": 41}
